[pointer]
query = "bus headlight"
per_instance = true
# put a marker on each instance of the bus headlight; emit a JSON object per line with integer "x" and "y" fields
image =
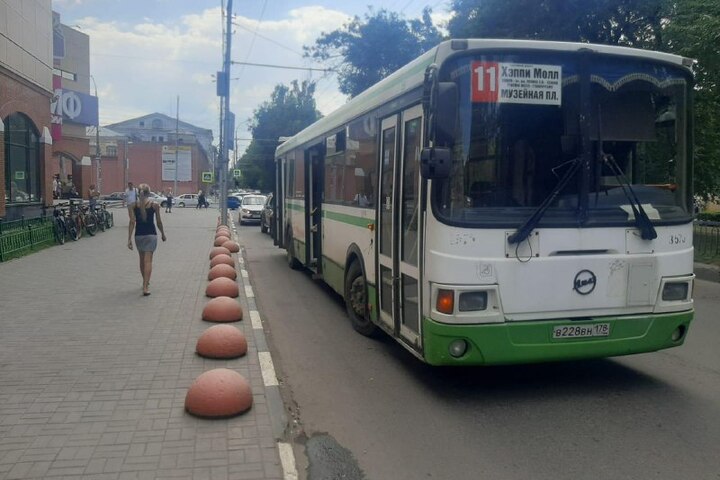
{"x": 472, "y": 301}
{"x": 674, "y": 291}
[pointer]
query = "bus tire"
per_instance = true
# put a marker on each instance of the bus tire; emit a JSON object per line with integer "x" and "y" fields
{"x": 292, "y": 260}
{"x": 356, "y": 301}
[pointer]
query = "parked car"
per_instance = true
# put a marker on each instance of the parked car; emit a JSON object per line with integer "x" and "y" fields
{"x": 233, "y": 202}
{"x": 188, "y": 200}
{"x": 250, "y": 208}
{"x": 267, "y": 214}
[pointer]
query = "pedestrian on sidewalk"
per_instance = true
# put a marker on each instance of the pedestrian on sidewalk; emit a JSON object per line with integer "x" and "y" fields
{"x": 201, "y": 200}
{"x": 168, "y": 201}
{"x": 130, "y": 195}
{"x": 144, "y": 213}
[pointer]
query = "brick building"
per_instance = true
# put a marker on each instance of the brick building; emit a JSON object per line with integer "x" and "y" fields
{"x": 73, "y": 109}
{"x": 142, "y": 150}
{"x": 25, "y": 95}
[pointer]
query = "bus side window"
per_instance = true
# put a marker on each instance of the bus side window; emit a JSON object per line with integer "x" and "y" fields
{"x": 361, "y": 175}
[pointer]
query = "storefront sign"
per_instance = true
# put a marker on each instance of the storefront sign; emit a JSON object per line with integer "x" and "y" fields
{"x": 75, "y": 107}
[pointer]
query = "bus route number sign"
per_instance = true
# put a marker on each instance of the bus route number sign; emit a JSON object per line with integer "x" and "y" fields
{"x": 498, "y": 82}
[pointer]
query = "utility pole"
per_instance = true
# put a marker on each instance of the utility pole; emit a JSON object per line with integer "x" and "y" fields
{"x": 98, "y": 157}
{"x": 224, "y": 125}
{"x": 177, "y": 143}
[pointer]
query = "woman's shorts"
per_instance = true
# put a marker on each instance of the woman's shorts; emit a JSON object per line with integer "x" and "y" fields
{"x": 146, "y": 243}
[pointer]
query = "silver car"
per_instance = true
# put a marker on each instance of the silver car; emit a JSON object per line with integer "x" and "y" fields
{"x": 250, "y": 208}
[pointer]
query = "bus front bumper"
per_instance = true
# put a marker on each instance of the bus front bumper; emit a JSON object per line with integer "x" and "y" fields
{"x": 531, "y": 342}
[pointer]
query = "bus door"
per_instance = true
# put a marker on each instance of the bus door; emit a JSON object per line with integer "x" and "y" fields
{"x": 313, "y": 212}
{"x": 399, "y": 224}
{"x": 276, "y": 222}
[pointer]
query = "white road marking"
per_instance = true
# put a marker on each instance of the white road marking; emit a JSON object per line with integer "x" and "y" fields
{"x": 287, "y": 459}
{"x": 255, "y": 319}
{"x": 267, "y": 369}
{"x": 244, "y": 273}
{"x": 249, "y": 291}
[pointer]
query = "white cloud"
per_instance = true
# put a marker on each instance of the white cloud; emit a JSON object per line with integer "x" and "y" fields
{"x": 140, "y": 68}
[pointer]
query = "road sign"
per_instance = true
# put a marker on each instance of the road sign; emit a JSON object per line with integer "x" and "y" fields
{"x": 237, "y": 173}
{"x": 207, "y": 177}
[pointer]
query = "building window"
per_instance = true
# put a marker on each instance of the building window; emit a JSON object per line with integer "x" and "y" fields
{"x": 161, "y": 139}
{"x": 22, "y": 160}
{"x": 111, "y": 150}
{"x": 142, "y": 123}
{"x": 157, "y": 123}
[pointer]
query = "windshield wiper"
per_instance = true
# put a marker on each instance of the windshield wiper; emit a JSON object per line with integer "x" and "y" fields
{"x": 524, "y": 231}
{"x": 643, "y": 222}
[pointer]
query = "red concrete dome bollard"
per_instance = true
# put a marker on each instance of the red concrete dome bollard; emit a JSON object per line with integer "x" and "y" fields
{"x": 219, "y": 393}
{"x": 222, "y": 270}
{"x": 217, "y": 251}
{"x": 223, "y": 233}
{"x": 222, "y": 341}
{"x": 222, "y": 259}
{"x": 222, "y": 309}
{"x": 222, "y": 287}
{"x": 219, "y": 241}
{"x": 221, "y": 225}
{"x": 234, "y": 247}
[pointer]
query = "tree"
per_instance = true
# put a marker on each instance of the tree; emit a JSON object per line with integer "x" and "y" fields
{"x": 289, "y": 110}
{"x": 695, "y": 32}
{"x": 364, "y": 51}
{"x": 636, "y": 23}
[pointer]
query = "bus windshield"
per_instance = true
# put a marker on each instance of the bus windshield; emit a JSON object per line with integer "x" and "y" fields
{"x": 523, "y": 123}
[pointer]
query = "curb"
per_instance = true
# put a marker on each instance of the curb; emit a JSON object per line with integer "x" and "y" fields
{"x": 276, "y": 406}
{"x": 710, "y": 273}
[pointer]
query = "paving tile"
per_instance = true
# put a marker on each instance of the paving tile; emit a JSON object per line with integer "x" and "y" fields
{"x": 96, "y": 389}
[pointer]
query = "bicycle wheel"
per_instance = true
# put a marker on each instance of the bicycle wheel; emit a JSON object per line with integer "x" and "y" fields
{"x": 78, "y": 224}
{"x": 59, "y": 231}
{"x": 91, "y": 224}
{"x": 73, "y": 231}
{"x": 101, "y": 220}
{"x": 110, "y": 220}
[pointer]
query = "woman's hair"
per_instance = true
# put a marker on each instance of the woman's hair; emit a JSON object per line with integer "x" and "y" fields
{"x": 143, "y": 194}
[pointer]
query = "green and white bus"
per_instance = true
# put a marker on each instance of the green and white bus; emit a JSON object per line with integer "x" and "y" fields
{"x": 503, "y": 201}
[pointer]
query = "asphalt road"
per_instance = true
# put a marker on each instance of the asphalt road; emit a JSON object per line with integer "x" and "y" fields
{"x": 366, "y": 408}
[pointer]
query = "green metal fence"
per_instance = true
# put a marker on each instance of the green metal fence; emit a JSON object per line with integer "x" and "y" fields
{"x": 20, "y": 237}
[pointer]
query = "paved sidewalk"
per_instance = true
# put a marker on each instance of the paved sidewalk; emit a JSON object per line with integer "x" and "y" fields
{"x": 93, "y": 375}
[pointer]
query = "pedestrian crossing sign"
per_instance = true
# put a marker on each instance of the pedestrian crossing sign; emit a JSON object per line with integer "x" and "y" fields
{"x": 207, "y": 177}
{"x": 237, "y": 173}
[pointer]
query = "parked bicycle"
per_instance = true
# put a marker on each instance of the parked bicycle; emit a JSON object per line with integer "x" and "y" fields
{"x": 83, "y": 219}
{"x": 104, "y": 217}
{"x": 64, "y": 225}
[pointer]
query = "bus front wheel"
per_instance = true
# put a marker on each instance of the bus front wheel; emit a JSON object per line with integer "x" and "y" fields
{"x": 356, "y": 301}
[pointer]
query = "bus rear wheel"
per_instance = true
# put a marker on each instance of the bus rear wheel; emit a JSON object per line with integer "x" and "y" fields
{"x": 356, "y": 301}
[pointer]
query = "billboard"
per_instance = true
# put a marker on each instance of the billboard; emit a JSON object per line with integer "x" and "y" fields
{"x": 184, "y": 159}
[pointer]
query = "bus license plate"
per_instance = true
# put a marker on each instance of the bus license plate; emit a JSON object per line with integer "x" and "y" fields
{"x": 579, "y": 331}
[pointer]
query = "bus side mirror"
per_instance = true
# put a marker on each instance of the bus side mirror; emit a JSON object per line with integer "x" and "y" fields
{"x": 435, "y": 162}
{"x": 446, "y": 113}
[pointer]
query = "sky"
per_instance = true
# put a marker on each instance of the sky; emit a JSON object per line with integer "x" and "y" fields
{"x": 146, "y": 53}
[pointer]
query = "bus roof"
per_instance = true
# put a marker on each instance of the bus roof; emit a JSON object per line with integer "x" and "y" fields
{"x": 411, "y": 76}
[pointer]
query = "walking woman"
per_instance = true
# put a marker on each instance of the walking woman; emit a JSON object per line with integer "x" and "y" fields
{"x": 144, "y": 213}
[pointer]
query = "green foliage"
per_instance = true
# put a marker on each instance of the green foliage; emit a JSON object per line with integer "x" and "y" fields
{"x": 289, "y": 110}
{"x": 365, "y": 51}
{"x": 695, "y": 32}
{"x": 709, "y": 216}
{"x": 634, "y": 23}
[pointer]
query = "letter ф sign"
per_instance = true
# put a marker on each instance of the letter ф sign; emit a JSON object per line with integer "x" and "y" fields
{"x": 74, "y": 107}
